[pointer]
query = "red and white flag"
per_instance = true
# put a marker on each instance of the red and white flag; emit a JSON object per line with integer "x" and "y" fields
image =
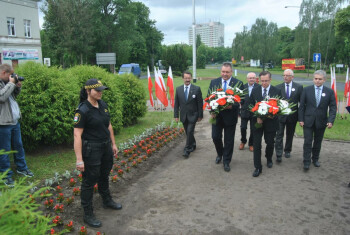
{"x": 334, "y": 84}
{"x": 160, "y": 88}
{"x": 150, "y": 85}
{"x": 170, "y": 84}
{"x": 347, "y": 91}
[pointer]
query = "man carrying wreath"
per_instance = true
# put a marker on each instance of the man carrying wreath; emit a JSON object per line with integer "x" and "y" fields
{"x": 226, "y": 119}
{"x": 268, "y": 126}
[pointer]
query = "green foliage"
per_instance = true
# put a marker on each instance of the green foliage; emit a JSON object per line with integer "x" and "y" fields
{"x": 19, "y": 211}
{"x": 134, "y": 97}
{"x": 201, "y": 57}
{"x": 175, "y": 57}
{"x": 113, "y": 96}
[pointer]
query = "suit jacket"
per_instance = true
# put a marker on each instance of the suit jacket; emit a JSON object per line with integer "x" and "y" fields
{"x": 295, "y": 94}
{"x": 245, "y": 113}
{"x": 192, "y": 109}
{"x": 229, "y": 116}
{"x": 256, "y": 96}
{"x": 309, "y": 113}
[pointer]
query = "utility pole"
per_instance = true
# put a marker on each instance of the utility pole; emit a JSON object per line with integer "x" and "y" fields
{"x": 194, "y": 43}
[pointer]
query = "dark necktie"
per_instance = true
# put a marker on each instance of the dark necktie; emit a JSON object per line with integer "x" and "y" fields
{"x": 287, "y": 92}
{"x": 265, "y": 93}
{"x": 186, "y": 92}
{"x": 225, "y": 85}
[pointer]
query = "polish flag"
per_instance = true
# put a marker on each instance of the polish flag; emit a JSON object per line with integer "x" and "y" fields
{"x": 160, "y": 88}
{"x": 170, "y": 84}
{"x": 347, "y": 91}
{"x": 347, "y": 84}
{"x": 150, "y": 85}
{"x": 333, "y": 84}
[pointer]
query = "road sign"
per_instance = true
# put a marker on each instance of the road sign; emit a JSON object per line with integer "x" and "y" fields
{"x": 317, "y": 57}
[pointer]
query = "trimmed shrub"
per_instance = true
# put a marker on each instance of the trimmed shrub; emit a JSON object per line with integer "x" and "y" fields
{"x": 134, "y": 98}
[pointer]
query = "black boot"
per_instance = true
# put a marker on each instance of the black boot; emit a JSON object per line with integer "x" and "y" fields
{"x": 109, "y": 203}
{"x": 90, "y": 219}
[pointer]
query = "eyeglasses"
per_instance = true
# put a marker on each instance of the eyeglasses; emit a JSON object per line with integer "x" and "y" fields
{"x": 287, "y": 75}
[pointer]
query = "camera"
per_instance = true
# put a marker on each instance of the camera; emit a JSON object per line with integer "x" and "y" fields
{"x": 17, "y": 78}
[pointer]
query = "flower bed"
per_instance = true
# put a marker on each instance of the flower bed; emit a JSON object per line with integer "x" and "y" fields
{"x": 61, "y": 201}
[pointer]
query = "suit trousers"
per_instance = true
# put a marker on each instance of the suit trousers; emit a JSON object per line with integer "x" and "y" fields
{"x": 190, "y": 140}
{"x": 312, "y": 143}
{"x": 98, "y": 162}
{"x": 244, "y": 126}
{"x": 224, "y": 149}
{"x": 269, "y": 136}
{"x": 290, "y": 129}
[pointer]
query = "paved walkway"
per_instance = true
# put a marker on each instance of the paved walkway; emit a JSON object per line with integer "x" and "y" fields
{"x": 196, "y": 196}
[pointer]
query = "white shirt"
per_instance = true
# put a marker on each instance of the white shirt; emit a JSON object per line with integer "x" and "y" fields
{"x": 290, "y": 88}
{"x": 250, "y": 88}
{"x": 188, "y": 89}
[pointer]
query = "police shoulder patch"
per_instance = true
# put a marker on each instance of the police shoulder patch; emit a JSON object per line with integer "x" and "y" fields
{"x": 106, "y": 110}
{"x": 77, "y": 118}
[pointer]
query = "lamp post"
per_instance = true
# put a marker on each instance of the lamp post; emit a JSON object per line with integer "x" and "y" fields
{"x": 194, "y": 44}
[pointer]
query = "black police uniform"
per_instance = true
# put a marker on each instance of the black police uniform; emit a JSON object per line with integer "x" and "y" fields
{"x": 96, "y": 150}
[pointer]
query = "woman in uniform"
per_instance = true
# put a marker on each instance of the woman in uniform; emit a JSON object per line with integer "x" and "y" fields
{"x": 94, "y": 147}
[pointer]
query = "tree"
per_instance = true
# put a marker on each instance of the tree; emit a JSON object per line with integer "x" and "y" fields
{"x": 201, "y": 56}
{"x": 285, "y": 43}
{"x": 342, "y": 33}
{"x": 175, "y": 57}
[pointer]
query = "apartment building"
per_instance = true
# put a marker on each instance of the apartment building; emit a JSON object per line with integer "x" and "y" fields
{"x": 19, "y": 32}
{"x": 212, "y": 34}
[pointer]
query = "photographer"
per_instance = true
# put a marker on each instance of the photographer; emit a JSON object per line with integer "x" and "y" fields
{"x": 10, "y": 132}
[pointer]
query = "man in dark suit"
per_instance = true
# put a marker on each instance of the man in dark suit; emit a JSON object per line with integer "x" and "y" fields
{"x": 291, "y": 91}
{"x": 269, "y": 126}
{"x": 227, "y": 119}
{"x": 189, "y": 102}
{"x": 314, "y": 104}
{"x": 246, "y": 115}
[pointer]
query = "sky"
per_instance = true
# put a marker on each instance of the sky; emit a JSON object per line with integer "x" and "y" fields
{"x": 174, "y": 17}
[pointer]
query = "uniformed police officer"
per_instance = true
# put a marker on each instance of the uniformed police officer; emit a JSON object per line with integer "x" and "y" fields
{"x": 94, "y": 147}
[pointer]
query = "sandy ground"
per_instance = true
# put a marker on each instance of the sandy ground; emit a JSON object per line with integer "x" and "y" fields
{"x": 196, "y": 196}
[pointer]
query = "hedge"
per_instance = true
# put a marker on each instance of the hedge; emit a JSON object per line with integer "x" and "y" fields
{"x": 134, "y": 97}
{"x": 50, "y": 96}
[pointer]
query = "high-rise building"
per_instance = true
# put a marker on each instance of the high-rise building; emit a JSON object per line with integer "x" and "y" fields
{"x": 19, "y": 32}
{"x": 212, "y": 34}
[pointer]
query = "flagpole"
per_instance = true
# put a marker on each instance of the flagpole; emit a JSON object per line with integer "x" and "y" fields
{"x": 194, "y": 49}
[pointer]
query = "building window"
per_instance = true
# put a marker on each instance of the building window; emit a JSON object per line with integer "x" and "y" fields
{"x": 27, "y": 32}
{"x": 11, "y": 26}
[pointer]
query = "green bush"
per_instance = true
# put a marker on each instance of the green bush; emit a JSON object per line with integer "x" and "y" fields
{"x": 134, "y": 98}
{"x": 113, "y": 96}
{"x": 37, "y": 102}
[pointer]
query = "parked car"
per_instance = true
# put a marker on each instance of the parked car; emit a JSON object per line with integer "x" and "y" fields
{"x": 130, "y": 68}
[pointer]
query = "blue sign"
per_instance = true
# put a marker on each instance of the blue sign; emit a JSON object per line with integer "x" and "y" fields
{"x": 317, "y": 57}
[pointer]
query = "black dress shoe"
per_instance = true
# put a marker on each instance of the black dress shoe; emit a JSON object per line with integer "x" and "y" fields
{"x": 279, "y": 159}
{"x": 193, "y": 148}
{"x": 287, "y": 154}
{"x": 306, "y": 166}
{"x": 186, "y": 154}
{"x": 269, "y": 164}
{"x": 316, "y": 164}
{"x": 257, "y": 172}
{"x": 92, "y": 221}
{"x": 218, "y": 159}
{"x": 227, "y": 167}
{"x": 112, "y": 204}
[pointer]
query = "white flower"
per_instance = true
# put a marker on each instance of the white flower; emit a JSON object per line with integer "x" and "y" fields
{"x": 283, "y": 104}
{"x": 286, "y": 111}
{"x": 229, "y": 100}
{"x": 221, "y": 94}
{"x": 213, "y": 104}
{"x": 237, "y": 90}
{"x": 263, "y": 108}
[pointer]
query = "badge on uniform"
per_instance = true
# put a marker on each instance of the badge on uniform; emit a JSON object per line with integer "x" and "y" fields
{"x": 106, "y": 110}
{"x": 76, "y": 118}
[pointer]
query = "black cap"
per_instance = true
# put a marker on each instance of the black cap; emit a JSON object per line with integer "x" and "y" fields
{"x": 93, "y": 83}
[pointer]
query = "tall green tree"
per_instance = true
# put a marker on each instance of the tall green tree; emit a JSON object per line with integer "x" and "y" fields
{"x": 342, "y": 33}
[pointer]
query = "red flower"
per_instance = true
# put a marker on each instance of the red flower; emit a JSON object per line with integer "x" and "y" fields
{"x": 221, "y": 101}
{"x": 83, "y": 231}
{"x": 69, "y": 226}
{"x": 273, "y": 110}
{"x": 229, "y": 92}
{"x": 120, "y": 172}
{"x": 58, "y": 188}
{"x": 72, "y": 182}
{"x": 237, "y": 98}
{"x": 219, "y": 89}
{"x": 256, "y": 107}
